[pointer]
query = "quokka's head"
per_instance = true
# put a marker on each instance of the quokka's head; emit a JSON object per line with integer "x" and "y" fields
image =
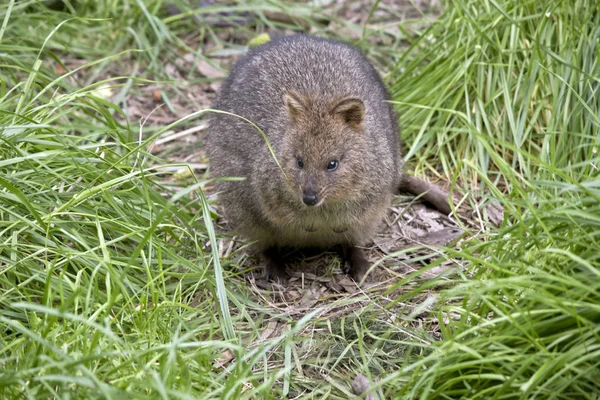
{"x": 323, "y": 148}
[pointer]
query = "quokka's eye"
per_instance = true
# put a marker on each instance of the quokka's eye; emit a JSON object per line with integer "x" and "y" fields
{"x": 332, "y": 165}
{"x": 300, "y": 162}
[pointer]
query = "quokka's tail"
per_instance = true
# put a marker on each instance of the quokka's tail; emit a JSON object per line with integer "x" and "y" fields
{"x": 428, "y": 192}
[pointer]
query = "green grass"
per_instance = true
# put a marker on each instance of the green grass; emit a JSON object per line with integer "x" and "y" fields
{"x": 110, "y": 280}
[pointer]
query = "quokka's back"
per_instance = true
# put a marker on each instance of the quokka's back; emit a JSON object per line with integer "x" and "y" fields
{"x": 336, "y": 161}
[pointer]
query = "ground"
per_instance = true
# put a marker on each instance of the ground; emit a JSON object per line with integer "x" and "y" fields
{"x": 409, "y": 237}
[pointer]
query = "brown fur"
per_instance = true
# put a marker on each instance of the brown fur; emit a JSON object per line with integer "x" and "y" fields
{"x": 428, "y": 193}
{"x": 319, "y": 101}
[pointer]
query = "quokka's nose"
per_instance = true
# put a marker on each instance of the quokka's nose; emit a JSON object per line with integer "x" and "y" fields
{"x": 310, "y": 198}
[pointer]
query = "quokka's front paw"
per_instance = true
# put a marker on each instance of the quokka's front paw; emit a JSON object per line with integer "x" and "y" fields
{"x": 276, "y": 273}
{"x": 274, "y": 267}
{"x": 357, "y": 264}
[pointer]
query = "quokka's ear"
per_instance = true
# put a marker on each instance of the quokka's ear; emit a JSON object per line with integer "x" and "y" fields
{"x": 294, "y": 103}
{"x": 351, "y": 110}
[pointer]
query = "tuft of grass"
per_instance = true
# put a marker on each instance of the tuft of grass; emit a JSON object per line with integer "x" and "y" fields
{"x": 504, "y": 98}
{"x": 494, "y": 89}
{"x": 523, "y": 319}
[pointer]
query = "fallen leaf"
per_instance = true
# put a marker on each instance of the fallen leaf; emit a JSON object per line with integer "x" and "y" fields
{"x": 208, "y": 70}
{"x": 311, "y": 297}
{"x": 348, "y": 284}
{"x": 225, "y": 358}
{"x": 59, "y": 69}
{"x": 441, "y": 237}
{"x": 385, "y": 244}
